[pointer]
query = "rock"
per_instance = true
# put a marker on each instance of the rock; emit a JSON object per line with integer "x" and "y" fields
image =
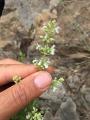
{"x": 48, "y": 116}
{"x": 6, "y": 35}
{"x": 10, "y": 4}
{"x": 55, "y": 96}
{"x": 7, "y": 54}
{"x": 85, "y": 97}
{"x": 54, "y": 3}
{"x": 29, "y": 9}
{"x": 11, "y": 32}
{"x": 74, "y": 82}
{"x": 67, "y": 111}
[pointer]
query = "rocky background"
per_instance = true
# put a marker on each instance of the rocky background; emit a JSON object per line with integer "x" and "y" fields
{"x": 72, "y": 59}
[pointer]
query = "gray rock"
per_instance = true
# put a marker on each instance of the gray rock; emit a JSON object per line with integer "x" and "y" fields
{"x": 7, "y": 54}
{"x": 48, "y": 116}
{"x": 10, "y": 4}
{"x": 28, "y": 9}
{"x": 10, "y": 28}
{"x": 85, "y": 97}
{"x": 55, "y": 96}
{"x": 54, "y": 3}
{"x": 67, "y": 111}
{"x": 74, "y": 82}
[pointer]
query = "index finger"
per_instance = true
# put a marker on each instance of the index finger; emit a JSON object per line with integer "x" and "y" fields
{"x": 9, "y": 61}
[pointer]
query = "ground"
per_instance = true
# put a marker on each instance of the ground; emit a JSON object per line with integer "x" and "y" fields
{"x": 72, "y": 59}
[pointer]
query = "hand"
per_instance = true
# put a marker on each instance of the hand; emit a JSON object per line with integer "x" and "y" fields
{"x": 15, "y": 97}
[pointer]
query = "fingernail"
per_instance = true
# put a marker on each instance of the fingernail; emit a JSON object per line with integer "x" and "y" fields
{"x": 43, "y": 81}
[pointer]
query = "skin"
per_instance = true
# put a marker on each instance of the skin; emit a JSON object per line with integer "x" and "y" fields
{"x": 14, "y": 97}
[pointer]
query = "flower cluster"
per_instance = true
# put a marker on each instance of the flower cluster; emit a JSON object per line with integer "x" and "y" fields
{"x": 16, "y": 79}
{"x": 34, "y": 115}
{"x": 56, "y": 82}
{"x": 47, "y": 48}
{"x": 42, "y": 63}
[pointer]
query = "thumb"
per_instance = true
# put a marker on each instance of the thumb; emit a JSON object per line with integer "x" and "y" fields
{"x": 18, "y": 96}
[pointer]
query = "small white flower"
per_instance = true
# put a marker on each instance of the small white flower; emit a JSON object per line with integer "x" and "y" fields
{"x": 46, "y": 65}
{"x": 53, "y": 50}
{"x": 58, "y": 29}
{"x": 44, "y": 27}
{"x": 51, "y": 39}
{"x": 28, "y": 116}
{"x": 38, "y": 46}
{"x": 35, "y": 61}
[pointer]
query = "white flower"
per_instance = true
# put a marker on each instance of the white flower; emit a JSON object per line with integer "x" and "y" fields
{"x": 53, "y": 50}
{"x": 38, "y": 46}
{"x": 46, "y": 65}
{"x": 35, "y": 61}
{"x": 44, "y": 27}
{"x": 58, "y": 29}
{"x": 28, "y": 116}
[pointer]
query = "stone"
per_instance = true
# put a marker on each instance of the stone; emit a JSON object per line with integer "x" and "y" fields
{"x": 74, "y": 82}
{"x": 7, "y": 54}
{"x": 85, "y": 96}
{"x": 67, "y": 111}
{"x": 10, "y": 4}
{"x": 55, "y": 96}
{"x": 54, "y": 3}
{"x": 29, "y": 9}
{"x": 48, "y": 116}
{"x": 10, "y": 30}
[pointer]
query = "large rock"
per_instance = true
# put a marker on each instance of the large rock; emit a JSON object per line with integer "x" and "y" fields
{"x": 67, "y": 111}
{"x": 8, "y": 27}
{"x": 9, "y": 4}
{"x": 28, "y": 9}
